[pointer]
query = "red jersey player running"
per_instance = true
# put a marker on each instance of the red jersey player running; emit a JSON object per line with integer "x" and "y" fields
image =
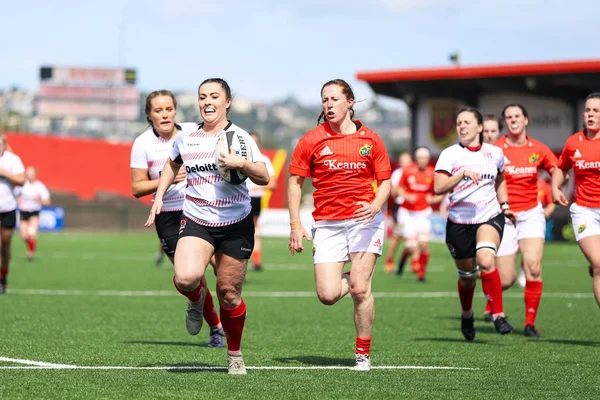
{"x": 342, "y": 157}
{"x": 416, "y": 186}
{"x": 582, "y": 153}
{"x": 404, "y": 160}
{"x": 523, "y": 158}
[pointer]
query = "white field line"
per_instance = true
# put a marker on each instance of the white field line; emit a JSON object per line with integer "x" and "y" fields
{"x": 43, "y": 365}
{"x": 36, "y": 364}
{"x": 173, "y": 293}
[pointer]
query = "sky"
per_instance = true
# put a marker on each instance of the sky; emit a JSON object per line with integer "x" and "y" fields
{"x": 270, "y": 49}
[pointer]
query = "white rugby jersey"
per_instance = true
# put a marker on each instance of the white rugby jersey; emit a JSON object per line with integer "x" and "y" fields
{"x": 395, "y": 179}
{"x": 11, "y": 163}
{"x": 152, "y": 152}
{"x": 470, "y": 203}
{"x": 31, "y": 195}
{"x": 257, "y": 190}
{"x": 209, "y": 199}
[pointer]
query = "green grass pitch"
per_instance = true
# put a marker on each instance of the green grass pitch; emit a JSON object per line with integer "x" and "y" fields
{"x": 98, "y": 301}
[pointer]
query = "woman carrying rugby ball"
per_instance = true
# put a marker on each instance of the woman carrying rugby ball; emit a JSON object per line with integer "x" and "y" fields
{"x": 216, "y": 215}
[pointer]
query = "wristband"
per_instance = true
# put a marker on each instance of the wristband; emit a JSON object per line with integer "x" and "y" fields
{"x": 504, "y": 206}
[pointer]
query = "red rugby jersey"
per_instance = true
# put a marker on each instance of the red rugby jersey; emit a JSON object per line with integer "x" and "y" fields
{"x": 342, "y": 168}
{"x": 521, "y": 166}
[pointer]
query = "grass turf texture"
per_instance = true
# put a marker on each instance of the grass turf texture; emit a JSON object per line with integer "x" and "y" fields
{"x": 103, "y": 319}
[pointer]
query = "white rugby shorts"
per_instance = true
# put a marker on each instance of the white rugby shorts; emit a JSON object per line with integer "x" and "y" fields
{"x": 586, "y": 221}
{"x": 530, "y": 224}
{"x": 333, "y": 241}
{"x": 414, "y": 226}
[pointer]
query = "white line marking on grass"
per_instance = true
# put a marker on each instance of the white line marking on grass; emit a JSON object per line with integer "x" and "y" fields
{"x": 36, "y": 364}
{"x": 213, "y": 368}
{"x": 168, "y": 293}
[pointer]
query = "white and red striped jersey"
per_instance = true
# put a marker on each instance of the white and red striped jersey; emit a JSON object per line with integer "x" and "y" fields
{"x": 257, "y": 190}
{"x": 150, "y": 151}
{"x": 470, "y": 203}
{"x": 11, "y": 163}
{"x": 31, "y": 195}
{"x": 209, "y": 199}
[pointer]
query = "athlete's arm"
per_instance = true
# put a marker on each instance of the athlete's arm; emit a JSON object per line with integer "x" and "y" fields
{"x": 297, "y": 232}
{"x": 502, "y": 196}
{"x": 549, "y": 210}
{"x": 409, "y": 197}
{"x": 435, "y": 198}
{"x": 384, "y": 188}
{"x": 443, "y": 183}
{"x": 272, "y": 185}
{"x": 15, "y": 179}
{"x": 256, "y": 171}
{"x": 558, "y": 178}
{"x": 167, "y": 177}
{"x": 140, "y": 184}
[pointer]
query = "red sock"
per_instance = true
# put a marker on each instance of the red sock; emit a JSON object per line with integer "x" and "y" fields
{"x": 533, "y": 295}
{"x": 492, "y": 287}
{"x": 390, "y": 260}
{"x": 30, "y": 244}
{"x": 363, "y": 345}
{"x": 233, "y": 320}
{"x": 192, "y": 296}
{"x": 423, "y": 260}
{"x": 33, "y": 243}
{"x": 3, "y": 273}
{"x": 466, "y": 296}
{"x": 209, "y": 312}
{"x": 488, "y": 307}
{"x": 256, "y": 256}
{"x": 415, "y": 265}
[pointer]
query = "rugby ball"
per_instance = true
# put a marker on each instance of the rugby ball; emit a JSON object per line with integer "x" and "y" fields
{"x": 241, "y": 147}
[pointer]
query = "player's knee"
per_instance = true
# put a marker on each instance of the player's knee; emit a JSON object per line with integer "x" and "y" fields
{"x": 229, "y": 293}
{"x": 186, "y": 282}
{"x": 507, "y": 284}
{"x": 359, "y": 292}
{"x": 486, "y": 256}
{"x": 534, "y": 268}
{"x": 328, "y": 299}
{"x": 468, "y": 278}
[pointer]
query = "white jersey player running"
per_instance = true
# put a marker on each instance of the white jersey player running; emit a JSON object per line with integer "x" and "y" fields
{"x": 149, "y": 154}
{"x": 30, "y": 199}
{"x": 216, "y": 217}
{"x": 12, "y": 173}
{"x": 472, "y": 172}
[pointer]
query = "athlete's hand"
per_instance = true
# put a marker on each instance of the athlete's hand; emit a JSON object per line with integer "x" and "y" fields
{"x": 559, "y": 197}
{"x": 154, "y": 211}
{"x": 296, "y": 236}
{"x": 366, "y": 212}
{"x": 474, "y": 176}
{"x": 410, "y": 198}
{"x": 180, "y": 175}
{"x": 231, "y": 160}
{"x": 511, "y": 216}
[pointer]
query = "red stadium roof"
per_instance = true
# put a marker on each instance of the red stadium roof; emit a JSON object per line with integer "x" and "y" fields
{"x": 564, "y": 79}
{"x": 482, "y": 71}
